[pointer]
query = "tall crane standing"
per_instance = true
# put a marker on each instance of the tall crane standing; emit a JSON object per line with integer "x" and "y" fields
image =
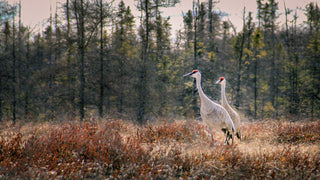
{"x": 213, "y": 114}
{"x": 224, "y": 102}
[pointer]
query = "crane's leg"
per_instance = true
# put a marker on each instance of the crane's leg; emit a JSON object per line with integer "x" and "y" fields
{"x": 227, "y": 137}
{"x": 239, "y": 134}
{"x": 232, "y": 137}
{"x": 212, "y": 142}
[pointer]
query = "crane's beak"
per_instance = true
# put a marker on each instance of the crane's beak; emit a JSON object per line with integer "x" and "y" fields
{"x": 218, "y": 82}
{"x": 187, "y": 74}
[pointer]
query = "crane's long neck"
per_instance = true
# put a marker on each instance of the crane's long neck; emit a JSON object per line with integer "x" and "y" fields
{"x": 203, "y": 97}
{"x": 224, "y": 100}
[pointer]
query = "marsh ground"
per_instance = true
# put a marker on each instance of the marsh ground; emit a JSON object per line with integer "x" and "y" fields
{"x": 170, "y": 149}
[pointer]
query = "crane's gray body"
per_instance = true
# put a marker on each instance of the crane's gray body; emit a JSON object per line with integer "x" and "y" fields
{"x": 233, "y": 114}
{"x": 213, "y": 114}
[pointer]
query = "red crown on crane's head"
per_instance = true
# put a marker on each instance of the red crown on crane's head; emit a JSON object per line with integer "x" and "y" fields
{"x": 220, "y": 80}
{"x": 195, "y": 71}
{"x": 191, "y": 73}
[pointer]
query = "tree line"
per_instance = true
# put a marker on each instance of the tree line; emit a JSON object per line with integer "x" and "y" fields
{"x": 95, "y": 57}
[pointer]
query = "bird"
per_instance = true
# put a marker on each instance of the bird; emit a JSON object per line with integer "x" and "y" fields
{"x": 224, "y": 102}
{"x": 213, "y": 114}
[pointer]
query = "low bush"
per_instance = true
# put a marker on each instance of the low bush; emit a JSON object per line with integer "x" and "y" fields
{"x": 298, "y": 132}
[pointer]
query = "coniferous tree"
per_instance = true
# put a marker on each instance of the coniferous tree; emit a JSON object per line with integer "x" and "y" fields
{"x": 312, "y": 65}
{"x": 104, "y": 13}
{"x": 240, "y": 56}
{"x": 258, "y": 54}
{"x": 5, "y": 74}
{"x": 188, "y": 19}
{"x": 124, "y": 41}
{"x": 147, "y": 9}
{"x": 69, "y": 65}
{"x": 6, "y": 13}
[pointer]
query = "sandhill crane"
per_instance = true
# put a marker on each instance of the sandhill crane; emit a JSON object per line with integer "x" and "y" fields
{"x": 213, "y": 114}
{"x": 224, "y": 102}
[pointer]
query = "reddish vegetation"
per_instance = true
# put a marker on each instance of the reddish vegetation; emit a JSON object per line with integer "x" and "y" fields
{"x": 299, "y": 132}
{"x": 121, "y": 149}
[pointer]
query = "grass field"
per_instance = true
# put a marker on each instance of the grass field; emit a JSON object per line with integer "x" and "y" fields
{"x": 118, "y": 149}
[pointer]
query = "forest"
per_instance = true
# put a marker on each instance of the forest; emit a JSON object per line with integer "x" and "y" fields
{"x": 99, "y": 93}
{"x": 95, "y": 59}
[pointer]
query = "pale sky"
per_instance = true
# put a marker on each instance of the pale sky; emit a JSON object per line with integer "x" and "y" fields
{"x": 34, "y": 12}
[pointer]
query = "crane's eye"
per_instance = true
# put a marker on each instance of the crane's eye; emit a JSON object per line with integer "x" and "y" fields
{"x": 221, "y": 78}
{"x": 194, "y": 71}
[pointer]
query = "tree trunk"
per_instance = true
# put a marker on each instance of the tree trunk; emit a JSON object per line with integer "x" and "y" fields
{"x": 14, "y": 78}
{"x": 81, "y": 49}
{"x": 1, "y": 113}
{"x": 101, "y": 62}
{"x": 143, "y": 71}
{"x": 195, "y": 49}
{"x": 27, "y": 86}
{"x": 255, "y": 87}
{"x": 50, "y": 93}
{"x": 273, "y": 72}
{"x": 71, "y": 93}
{"x": 121, "y": 69}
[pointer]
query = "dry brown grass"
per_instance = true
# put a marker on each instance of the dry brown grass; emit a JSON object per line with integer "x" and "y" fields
{"x": 176, "y": 149}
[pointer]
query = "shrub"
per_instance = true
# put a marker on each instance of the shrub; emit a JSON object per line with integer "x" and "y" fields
{"x": 302, "y": 132}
